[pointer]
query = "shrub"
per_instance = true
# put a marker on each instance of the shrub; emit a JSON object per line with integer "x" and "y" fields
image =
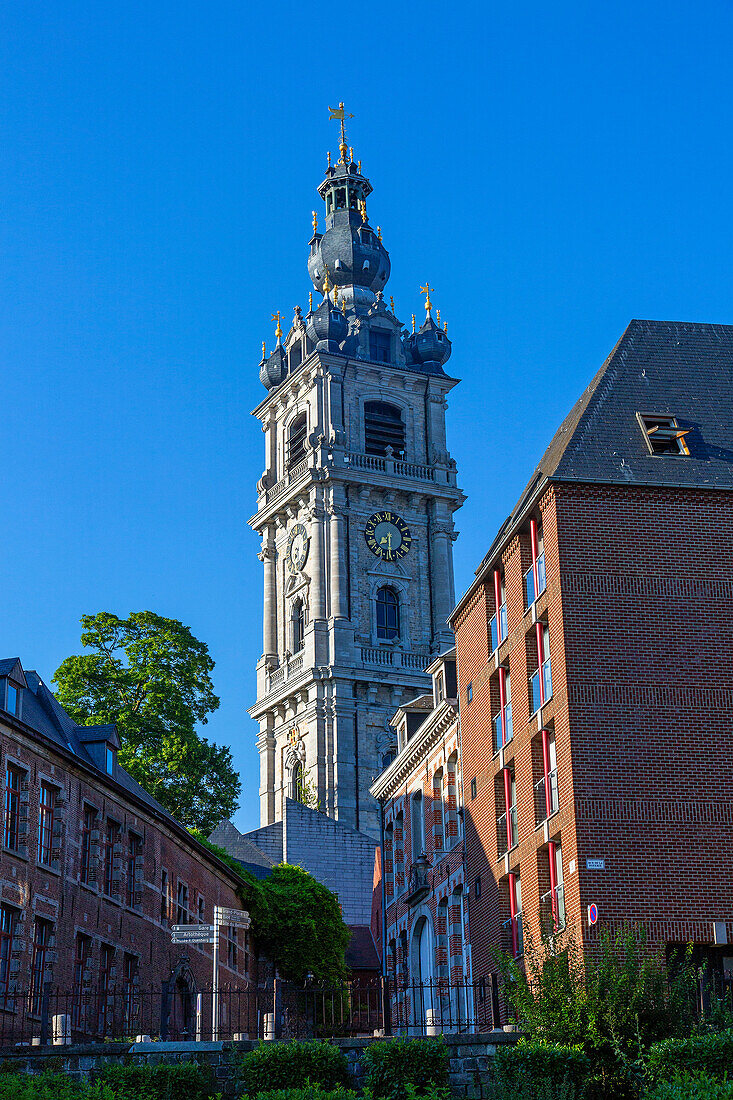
{"x": 272, "y": 1066}
{"x": 694, "y": 1086}
{"x": 528, "y": 1065}
{"x": 309, "y": 1092}
{"x": 49, "y": 1086}
{"x": 711, "y": 1054}
{"x": 391, "y": 1066}
{"x": 144, "y": 1082}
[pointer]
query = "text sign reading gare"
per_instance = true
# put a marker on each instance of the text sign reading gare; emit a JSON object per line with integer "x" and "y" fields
{"x": 200, "y": 933}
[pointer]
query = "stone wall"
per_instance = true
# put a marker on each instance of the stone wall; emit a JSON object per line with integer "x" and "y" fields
{"x": 470, "y": 1060}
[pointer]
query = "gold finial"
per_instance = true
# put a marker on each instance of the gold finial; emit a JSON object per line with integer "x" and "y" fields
{"x": 362, "y": 208}
{"x": 264, "y": 350}
{"x": 437, "y": 315}
{"x": 315, "y": 222}
{"x": 278, "y": 330}
{"x": 413, "y": 322}
{"x": 340, "y": 114}
{"x": 310, "y": 302}
{"x": 379, "y": 232}
{"x": 426, "y": 291}
{"x": 328, "y": 159}
{"x": 358, "y": 167}
{"x": 391, "y": 303}
{"x": 445, "y": 327}
{"x": 336, "y": 296}
{"x": 343, "y": 306}
{"x": 326, "y": 285}
{"x": 351, "y": 154}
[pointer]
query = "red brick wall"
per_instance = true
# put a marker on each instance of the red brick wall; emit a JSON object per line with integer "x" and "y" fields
{"x": 57, "y": 894}
{"x": 638, "y": 603}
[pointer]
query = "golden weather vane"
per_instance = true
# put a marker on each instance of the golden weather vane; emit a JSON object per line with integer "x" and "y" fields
{"x": 340, "y": 114}
{"x": 278, "y": 330}
{"x": 427, "y": 290}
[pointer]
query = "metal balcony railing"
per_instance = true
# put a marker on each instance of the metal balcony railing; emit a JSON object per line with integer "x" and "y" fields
{"x": 503, "y": 730}
{"x": 541, "y": 799}
{"x": 418, "y": 882}
{"x": 552, "y": 918}
{"x": 537, "y": 701}
{"x": 506, "y": 840}
{"x": 529, "y": 591}
{"x": 497, "y": 639}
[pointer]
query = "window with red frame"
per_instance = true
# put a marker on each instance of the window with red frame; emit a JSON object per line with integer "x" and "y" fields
{"x": 8, "y": 921}
{"x": 46, "y": 808}
{"x": 88, "y": 827}
{"x": 11, "y": 832}
{"x": 42, "y": 932}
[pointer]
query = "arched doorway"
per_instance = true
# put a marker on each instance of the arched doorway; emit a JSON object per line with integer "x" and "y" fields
{"x": 422, "y": 974}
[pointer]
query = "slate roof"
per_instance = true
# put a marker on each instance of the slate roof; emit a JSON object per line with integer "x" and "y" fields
{"x": 361, "y": 952}
{"x": 677, "y": 368}
{"x": 239, "y": 847}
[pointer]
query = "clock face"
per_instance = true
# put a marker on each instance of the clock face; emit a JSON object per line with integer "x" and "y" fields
{"x": 297, "y": 548}
{"x": 387, "y": 536}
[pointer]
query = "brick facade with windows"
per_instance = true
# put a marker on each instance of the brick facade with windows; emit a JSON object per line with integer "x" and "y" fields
{"x": 422, "y": 908}
{"x": 616, "y": 569}
{"x": 89, "y": 862}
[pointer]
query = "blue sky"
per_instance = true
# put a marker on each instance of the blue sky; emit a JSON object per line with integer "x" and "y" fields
{"x": 554, "y": 170}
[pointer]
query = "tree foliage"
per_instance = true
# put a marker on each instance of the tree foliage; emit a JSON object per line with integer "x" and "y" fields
{"x": 152, "y": 677}
{"x": 297, "y": 922}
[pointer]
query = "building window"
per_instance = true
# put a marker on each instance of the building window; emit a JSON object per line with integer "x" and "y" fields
{"x": 297, "y": 619}
{"x": 440, "y": 684}
{"x": 498, "y": 624}
{"x": 417, "y": 826}
{"x": 202, "y": 910}
{"x": 506, "y": 823}
{"x": 541, "y": 684}
{"x": 110, "y": 760}
{"x": 88, "y": 827}
{"x": 129, "y": 981}
{"x": 513, "y": 934}
{"x": 12, "y": 698}
{"x": 42, "y": 931}
{"x": 8, "y": 922}
{"x": 165, "y": 910}
{"x": 552, "y": 903}
{"x": 232, "y": 947}
{"x": 47, "y": 803}
{"x": 383, "y": 428}
{"x": 380, "y": 346}
{"x": 503, "y": 725}
{"x": 110, "y": 840}
{"x": 182, "y": 906}
{"x": 477, "y": 886}
{"x": 663, "y": 435}
{"x": 388, "y": 614}
{"x": 11, "y": 832}
{"x": 535, "y": 580}
{"x": 469, "y": 693}
{"x": 106, "y": 981}
{"x": 81, "y": 963}
{"x": 389, "y": 883}
{"x": 546, "y": 797}
{"x": 134, "y": 853}
{"x": 473, "y": 788}
{"x": 296, "y": 440}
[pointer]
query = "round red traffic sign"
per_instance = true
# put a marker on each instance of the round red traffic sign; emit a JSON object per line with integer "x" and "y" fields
{"x": 592, "y": 913}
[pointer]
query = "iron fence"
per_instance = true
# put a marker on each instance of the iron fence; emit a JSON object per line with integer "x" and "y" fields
{"x": 279, "y": 1010}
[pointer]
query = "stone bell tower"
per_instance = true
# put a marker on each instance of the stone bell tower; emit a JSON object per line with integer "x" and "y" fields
{"x": 355, "y": 511}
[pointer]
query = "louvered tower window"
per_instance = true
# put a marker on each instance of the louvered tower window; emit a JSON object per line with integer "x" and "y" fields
{"x": 383, "y": 427}
{"x": 296, "y": 440}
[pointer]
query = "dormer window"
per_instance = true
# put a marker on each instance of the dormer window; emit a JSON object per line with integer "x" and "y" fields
{"x": 380, "y": 346}
{"x": 663, "y": 434}
{"x": 110, "y": 760}
{"x": 12, "y": 703}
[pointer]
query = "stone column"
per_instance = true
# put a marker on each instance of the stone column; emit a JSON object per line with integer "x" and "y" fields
{"x": 338, "y": 564}
{"x": 266, "y": 747}
{"x": 269, "y": 613}
{"x": 317, "y": 565}
{"x": 441, "y": 558}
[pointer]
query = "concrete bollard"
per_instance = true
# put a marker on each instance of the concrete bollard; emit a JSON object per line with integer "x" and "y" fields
{"x": 269, "y": 1022}
{"x": 239, "y": 1036}
{"x": 432, "y": 1022}
{"x": 143, "y": 1039}
{"x": 61, "y": 1030}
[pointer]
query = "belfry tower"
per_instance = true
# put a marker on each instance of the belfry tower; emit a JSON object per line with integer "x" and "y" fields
{"x": 355, "y": 511}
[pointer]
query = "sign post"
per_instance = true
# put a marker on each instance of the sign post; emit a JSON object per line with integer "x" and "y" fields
{"x": 222, "y": 915}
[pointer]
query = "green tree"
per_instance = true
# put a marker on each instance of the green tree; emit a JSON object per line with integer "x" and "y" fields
{"x": 152, "y": 677}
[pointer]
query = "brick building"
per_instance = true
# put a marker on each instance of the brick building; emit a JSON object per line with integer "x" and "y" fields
{"x": 596, "y": 682}
{"x": 421, "y": 908}
{"x": 93, "y": 871}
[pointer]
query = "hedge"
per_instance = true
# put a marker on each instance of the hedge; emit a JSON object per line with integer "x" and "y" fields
{"x": 392, "y": 1065}
{"x": 692, "y": 1086}
{"x": 711, "y": 1054}
{"x": 49, "y": 1086}
{"x": 530, "y": 1064}
{"x": 309, "y": 1092}
{"x": 273, "y": 1066}
{"x": 161, "y": 1082}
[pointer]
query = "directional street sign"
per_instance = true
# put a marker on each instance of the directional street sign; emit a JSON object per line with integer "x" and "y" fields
{"x": 204, "y": 929}
{"x": 193, "y": 933}
{"x": 232, "y": 916}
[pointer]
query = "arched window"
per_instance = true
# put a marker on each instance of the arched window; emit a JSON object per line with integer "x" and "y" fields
{"x": 417, "y": 826}
{"x": 296, "y": 440}
{"x": 388, "y": 614}
{"x": 295, "y": 787}
{"x": 383, "y": 427}
{"x": 297, "y": 623}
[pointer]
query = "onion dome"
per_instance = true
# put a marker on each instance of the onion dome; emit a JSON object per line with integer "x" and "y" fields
{"x": 428, "y": 348}
{"x": 274, "y": 369}
{"x": 350, "y": 253}
{"x": 327, "y": 327}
